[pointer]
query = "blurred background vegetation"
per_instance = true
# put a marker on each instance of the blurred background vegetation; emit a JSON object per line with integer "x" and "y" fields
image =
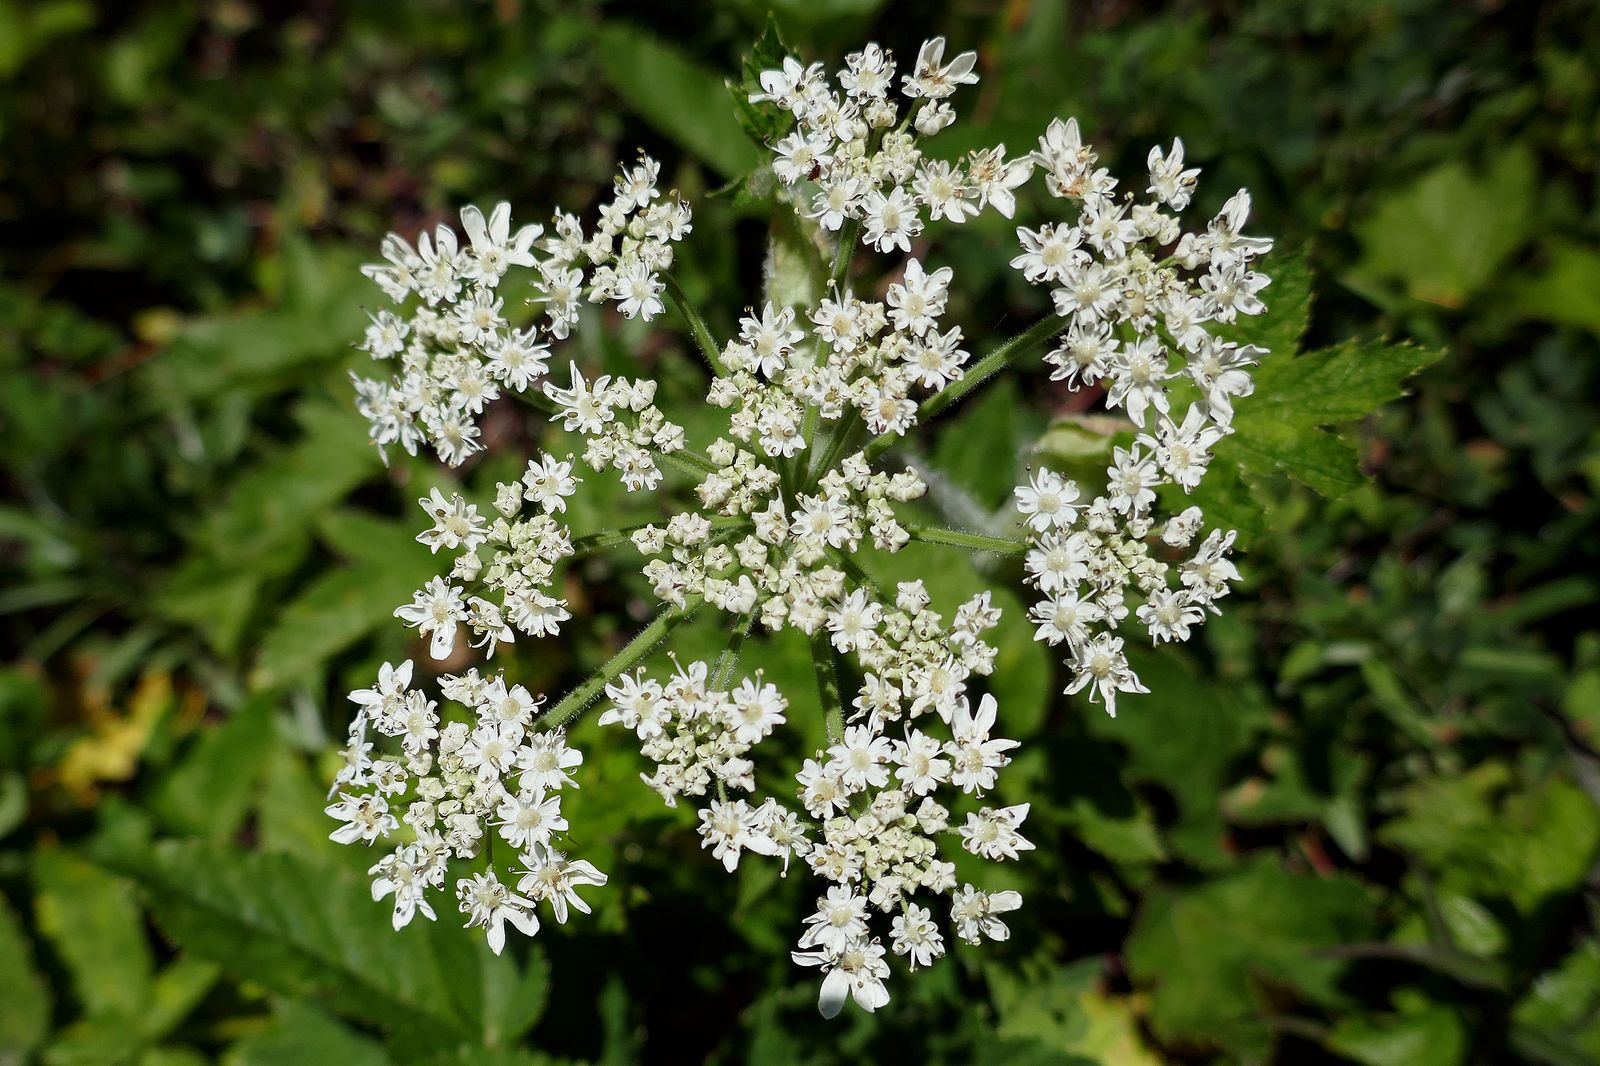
{"x": 1355, "y": 822}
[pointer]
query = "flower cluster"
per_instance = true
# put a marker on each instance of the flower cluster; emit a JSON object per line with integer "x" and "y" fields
{"x": 518, "y": 572}
{"x": 770, "y": 523}
{"x": 461, "y": 782}
{"x": 452, "y": 337}
{"x": 873, "y": 817}
{"x": 1140, "y": 325}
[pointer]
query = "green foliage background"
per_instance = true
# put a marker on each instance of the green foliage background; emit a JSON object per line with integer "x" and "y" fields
{"x": 1355, "y": 822}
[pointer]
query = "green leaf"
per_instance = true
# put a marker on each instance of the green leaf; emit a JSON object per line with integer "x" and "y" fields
{"x": 1430, "y": 1037}
{"x": 1487, "y": 838}
{"x": 315, "y": 323}
{"x": 762, "y": 122}
{"x": 677, "y": 96}
{"x": 1567, "y": 291}
{"x": 1183, "y": 737}
{"x": 25, "y": 1016}
{"x": 514, "y": 997}
{"x": 1445, "y": 235}
{"x": 208, "y": 794}
{"x": 1210, "y": 951}
{"x": 301, "y": 1034}
{"x": 262, "y": 529}
{"x": 1564, "y": 1004}
{"x": 1281, "y": 328}
{"x": 96, "y": 928}
{"x": 345, "y": 604}
{"x": 313, "y": 931}
{"x": 1281, "y": 428}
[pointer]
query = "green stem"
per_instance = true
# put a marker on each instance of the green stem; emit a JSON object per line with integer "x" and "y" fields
{"x": 823, "y": 661}
{"x": 841, "y": 434}
{"x": 846, "y": 252}
{"x": 722, "y": 672}
{"x": 679, "y": 301}
{"x": 604, "y": 539}
{"x": 956, "y": 538}
{"x": 637, "y": 648}
{"x": 690, "y": 462}
{"x": 976, "y": 375}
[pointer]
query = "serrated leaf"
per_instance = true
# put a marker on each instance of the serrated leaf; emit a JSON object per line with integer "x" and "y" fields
{"x": 762, "y": 122}
{"x": 1207, "y": 951}
{"x": 676, "y": 95}
{"x": 96, "y": 928}
{"x": 208, "y": 793}
{"x": 312, "y": 931}
{"x": 386, "y": 565}
{"x": 1283, "y": 427}
{"x": 302, "y": 1034}
{"x": 1443, "y": 236}
{"x": 25, "y": 1016}
{"x": 263, "y": 527}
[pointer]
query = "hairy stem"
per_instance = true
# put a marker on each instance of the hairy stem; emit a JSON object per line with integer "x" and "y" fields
{"x": 637, "y": 648}
{"x": 976, "y": 375}
{"x": 958, "y": 538}
{"x": 824, "y": 663}
{"x": 679, "y": 302}
{"x": 604, "y": 539}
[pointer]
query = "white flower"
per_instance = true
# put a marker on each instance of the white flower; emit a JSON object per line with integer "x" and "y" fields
{"x": 935, "y": 79}
{"x": 1101, "y": 666}
{"x": 729, "y": 828}
{"x": 915, "y": 936}
{"x": 973, "y": 913}
{"x": 1047, "y": 501}
{"x": 976, "y": 759}
{"x": 455, "y": 523}
{"x": 891, "y": 221}
{"x": 552, "y": 877}
{"x": 992, "y": 832}
{"x": 547, "y": 763}
{"x": 549, "y": 482}
{"x": 438, "y": 608}
{"x": 855, "y": 971}
{"x": 488, "y": 903}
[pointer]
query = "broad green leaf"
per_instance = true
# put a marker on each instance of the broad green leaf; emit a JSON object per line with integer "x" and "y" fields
{"x": 25, "y": 1014}
{"x": 1567, "y": 291}
{"x": 208, "y": 794}
{"x": 1443, "y": 236}
{"x": 1208, "y": 952}
{"x": 262, "y": 528}
{"x": 676, "y": 95}
{"x": 1488, "y": 838}
{"x": 95, "y": 926}
{"x": 1183, "y": 737}
{"x": 386, "y": 565}
{"x": 1562, "y": 1004}
{"x": 301, "y": 1035}
{"x": 312, "y": 931}
{"x": 1430, "y": 1037}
